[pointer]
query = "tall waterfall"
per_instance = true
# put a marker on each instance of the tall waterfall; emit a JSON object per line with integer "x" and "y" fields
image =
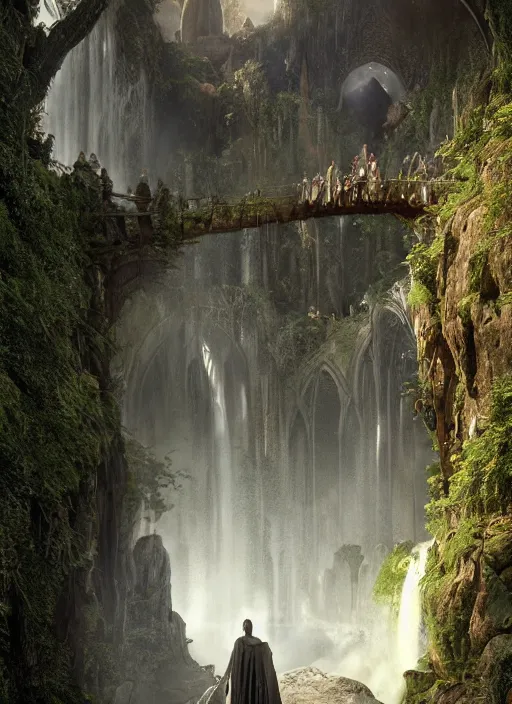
{"x": 93, "y": 106}
{"x": 409, "y": 619}
{"x": 299, "y": 480}
{"x": 297, "y": 486}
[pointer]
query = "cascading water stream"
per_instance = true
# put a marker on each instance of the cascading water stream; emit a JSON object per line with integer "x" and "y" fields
{"x": 92, "y": 106}
{"x": 390, "y": 648}
{"x": 409, "y": 617}
{"x": 281, "y": 476}
{"x": 224, "y": 545}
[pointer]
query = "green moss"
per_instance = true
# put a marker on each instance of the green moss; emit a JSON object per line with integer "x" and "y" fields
{"x": 505, "y": 299}
{"x": 464, "y": 307}
{"x": 424, "y": 261}
{"x": 57, "y": 419}
{"x": 448, "y": 599}
{"x": 419, "y": 295}
{"x": 482, "y": 483}
{"x": 389, "y": 583}
{"x": 479, "y": 489}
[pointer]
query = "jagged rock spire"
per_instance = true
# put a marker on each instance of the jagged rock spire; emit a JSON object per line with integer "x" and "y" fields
{"x": 201, "y": 18}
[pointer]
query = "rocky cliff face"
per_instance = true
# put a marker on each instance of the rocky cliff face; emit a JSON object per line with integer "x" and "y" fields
{"x": 464, "y": 327}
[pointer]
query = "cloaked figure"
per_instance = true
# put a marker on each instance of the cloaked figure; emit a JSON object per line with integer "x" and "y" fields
{"x": 143, "y": 192}
{"x": 373, "y": 177}
{"x": 330, "y": 182}
{"x": 251, "y": 677}
{"x": 107, "y": 186}
{"x": 94, "y": 163}
{"x": 81, "y": 162}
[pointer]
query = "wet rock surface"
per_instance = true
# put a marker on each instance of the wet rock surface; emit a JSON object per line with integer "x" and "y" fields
{"x": 309, "y": 685}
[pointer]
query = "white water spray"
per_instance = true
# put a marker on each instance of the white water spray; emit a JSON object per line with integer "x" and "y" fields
{"x": 92, "y": 107}
{"x": 380, "y": 654}
{"x": 409, "y": 618}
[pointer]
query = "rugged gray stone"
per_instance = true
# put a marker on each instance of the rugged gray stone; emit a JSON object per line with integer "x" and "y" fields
{"x": 495, "y": 670}
{"x": 309, "y": 685}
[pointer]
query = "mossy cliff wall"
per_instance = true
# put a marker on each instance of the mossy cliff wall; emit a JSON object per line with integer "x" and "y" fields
{"x": 67, "y": 496}
{"x": 464, "y": 325}
{"x": 62, "y": 476}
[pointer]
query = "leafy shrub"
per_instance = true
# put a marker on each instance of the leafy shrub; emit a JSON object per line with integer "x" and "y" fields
{"x": 389, "y": 584}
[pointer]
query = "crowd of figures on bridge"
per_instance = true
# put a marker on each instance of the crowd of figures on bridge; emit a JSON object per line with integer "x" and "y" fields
{"x": 144, "y": 213}
{"x": 364, "y": 183}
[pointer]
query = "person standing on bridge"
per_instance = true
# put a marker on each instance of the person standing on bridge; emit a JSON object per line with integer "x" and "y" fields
{"x": 315, "y": 188}
{"x": 373, "y": 178}
{"x": 338, "y": 192}
{"x": 143, "y": 193}
{"x": 95, "y": 164}
{"x": 330, "y": 183}
{"x": 355, "y": 167}
{"x": 363, "y": 162}
{"x": 306, "y": 189}
{"x": 347, "y": 191}
{"x": 107, "y": 187}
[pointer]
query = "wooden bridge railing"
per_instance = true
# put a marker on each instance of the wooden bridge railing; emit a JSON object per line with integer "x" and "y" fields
{"x": 404, "y": 198}
{"x": 201, "y": 216}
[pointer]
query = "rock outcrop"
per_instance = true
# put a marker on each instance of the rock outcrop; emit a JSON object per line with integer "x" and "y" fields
{"x": 308, "y": 685}
{"x": 157, "y": 666}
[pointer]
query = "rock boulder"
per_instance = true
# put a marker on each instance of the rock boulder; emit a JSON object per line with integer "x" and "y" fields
{"x": 309, "y": 685}
{"x": 495, "y": 669}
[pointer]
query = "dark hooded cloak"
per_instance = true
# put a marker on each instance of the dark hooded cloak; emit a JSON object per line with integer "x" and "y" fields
{"x": 251, "y": 676}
